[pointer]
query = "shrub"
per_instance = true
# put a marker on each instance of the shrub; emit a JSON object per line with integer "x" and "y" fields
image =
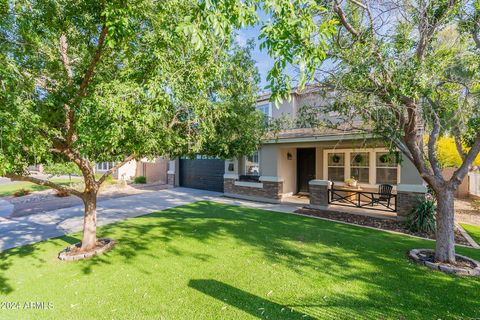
{"x": 140, "y": 179}
{"x": 22, "y": 192}
{"x": 422, "y": 216}
{"x": 62, "y": 194}
{"x": 476, "y": 205}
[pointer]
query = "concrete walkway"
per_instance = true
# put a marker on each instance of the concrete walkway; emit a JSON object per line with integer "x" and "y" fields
{"x": 20, "y": 231}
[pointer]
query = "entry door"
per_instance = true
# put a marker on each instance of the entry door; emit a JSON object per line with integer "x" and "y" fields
{"x": 305, "y": 168}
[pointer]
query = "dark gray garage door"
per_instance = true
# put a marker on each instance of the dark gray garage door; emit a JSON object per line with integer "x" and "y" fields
{"x": 206, "y": 174}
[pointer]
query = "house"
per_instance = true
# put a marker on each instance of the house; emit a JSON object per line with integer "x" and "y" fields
{"x": 153, "y": 170}
{"x": 304, "y": 161}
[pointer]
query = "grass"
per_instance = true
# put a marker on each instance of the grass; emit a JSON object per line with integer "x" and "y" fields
{"x": 10, "y": 188}
{"x": 214, "y": 261}
{"x": 473, "y": 231}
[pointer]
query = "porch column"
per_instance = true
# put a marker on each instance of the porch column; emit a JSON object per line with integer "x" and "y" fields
{"x": 319, "y": 193}
{"x": 171, "y": 172}
{"x": 408, "y": 196}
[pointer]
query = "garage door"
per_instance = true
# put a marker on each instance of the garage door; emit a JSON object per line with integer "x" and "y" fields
{"x": 206, "y": 174}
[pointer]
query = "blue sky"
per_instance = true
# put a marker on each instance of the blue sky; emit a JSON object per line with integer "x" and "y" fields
{"x": 264, "y": 62}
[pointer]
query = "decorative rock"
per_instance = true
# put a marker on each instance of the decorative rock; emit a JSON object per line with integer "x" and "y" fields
{"x": 421, "y": 256}
{"x": 66, "y": 256}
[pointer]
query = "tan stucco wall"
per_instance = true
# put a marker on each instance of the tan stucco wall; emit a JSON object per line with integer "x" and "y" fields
{"x": 287, "y": 169}
{"x": 273, "y": 160}
{"x": 409, "y": 174}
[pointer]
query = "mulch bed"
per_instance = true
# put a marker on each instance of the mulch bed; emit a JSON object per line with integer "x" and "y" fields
{"x": 379, "y": 223}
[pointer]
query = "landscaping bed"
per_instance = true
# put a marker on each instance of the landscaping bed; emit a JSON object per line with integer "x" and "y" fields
{"x": 379, "y": 223}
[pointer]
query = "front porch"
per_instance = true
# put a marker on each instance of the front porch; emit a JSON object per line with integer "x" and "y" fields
{"x": 304, "y": 201}
{"x": 303, "y": 173}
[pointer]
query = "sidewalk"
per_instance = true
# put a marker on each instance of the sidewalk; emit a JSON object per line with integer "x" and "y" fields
{"x": 20, "y": 231}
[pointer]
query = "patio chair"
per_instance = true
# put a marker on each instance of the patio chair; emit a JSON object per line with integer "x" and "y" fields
{"x": 384, "y": 195}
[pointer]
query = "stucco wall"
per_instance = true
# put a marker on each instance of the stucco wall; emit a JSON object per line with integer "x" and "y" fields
{"x": 127, "y": 171}
{"x": 287, "y": 169}
{"x": 409, "y": 174}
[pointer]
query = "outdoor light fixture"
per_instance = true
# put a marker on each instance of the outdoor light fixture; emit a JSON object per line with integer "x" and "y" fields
{"x": 289, "y": 156}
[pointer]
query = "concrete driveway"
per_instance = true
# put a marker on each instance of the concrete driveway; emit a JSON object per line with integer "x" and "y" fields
{"x": 20, "y": 231}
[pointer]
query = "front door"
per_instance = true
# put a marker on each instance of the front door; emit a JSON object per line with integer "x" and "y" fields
{"x": 305, "y": 168}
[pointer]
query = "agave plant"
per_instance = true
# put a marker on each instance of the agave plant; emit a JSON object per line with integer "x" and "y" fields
{"x": 422, "y": 216}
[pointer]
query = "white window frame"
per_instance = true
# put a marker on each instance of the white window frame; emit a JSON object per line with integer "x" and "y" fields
{"x": 372, "y": 173}
{"x": 245, "y": 166}
{"x": 261, "y": 104}
{"x": 104, "y": 165}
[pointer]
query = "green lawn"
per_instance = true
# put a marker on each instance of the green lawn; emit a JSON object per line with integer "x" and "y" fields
{"x": 473, "y": 231}
{"x": 214, "y": 261}
{"x": 9, "y": 189}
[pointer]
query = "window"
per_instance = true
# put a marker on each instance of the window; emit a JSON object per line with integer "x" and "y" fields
{"x": 359, "y": 166}
{"x": 252, "y": 164}
{"x": 387, "y": 168}
{"x": 265, "y": 109}
{"x": 336, "y": 166}
{"x": 104, "y": 166}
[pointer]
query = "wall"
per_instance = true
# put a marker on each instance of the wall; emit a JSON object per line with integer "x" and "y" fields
{"x": 127, "y": 171}
{"x": 287, "y": 169}
{"x": 463, "y": 188}
{"x": 409, "y": 173}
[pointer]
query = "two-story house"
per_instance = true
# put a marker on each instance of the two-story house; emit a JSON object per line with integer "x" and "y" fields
{"x": 300, "y": 160}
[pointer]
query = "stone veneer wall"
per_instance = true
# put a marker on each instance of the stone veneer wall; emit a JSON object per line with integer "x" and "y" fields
{"x": 318, "y": 195}
{"x": 171, "y": 179}
{"x": 406, "y": 200}
{"x": 270, "y": 190}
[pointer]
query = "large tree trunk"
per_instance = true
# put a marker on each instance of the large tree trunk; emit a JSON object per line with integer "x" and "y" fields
{"x": 89, "y": 239}
{"x": 445, "y": 244}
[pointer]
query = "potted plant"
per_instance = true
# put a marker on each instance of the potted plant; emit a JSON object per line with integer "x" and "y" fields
{"x": 351, "y": 182}
{"x": 335, "y": 158}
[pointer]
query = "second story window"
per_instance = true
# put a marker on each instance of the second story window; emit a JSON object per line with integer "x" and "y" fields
{"x": 265, "y": 109}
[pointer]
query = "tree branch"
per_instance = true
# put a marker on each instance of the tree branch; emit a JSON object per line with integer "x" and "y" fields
{"x": 461, "y": 172}
{"x": 41, "y": 182}
{"x": 65, "y": 59}
{"x": 432, "y": 141}
{"x": 458, "y": 142}
{"x": 343, "y": 19}
{"x": 114, "y": 168}
{"x": 93, "y": 62}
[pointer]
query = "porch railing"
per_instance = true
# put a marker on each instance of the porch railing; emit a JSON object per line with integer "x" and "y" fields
{"x": 363, "y": 199}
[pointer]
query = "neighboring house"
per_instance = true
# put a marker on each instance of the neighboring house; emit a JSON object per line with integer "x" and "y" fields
{"x": 153, "y": 170}
{"x": 294, "y": 160}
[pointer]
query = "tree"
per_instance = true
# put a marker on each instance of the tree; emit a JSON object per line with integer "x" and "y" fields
{"x": 62, "y": 168}
{"x": 94, "y": 81}
{"x": 406, "y": 68}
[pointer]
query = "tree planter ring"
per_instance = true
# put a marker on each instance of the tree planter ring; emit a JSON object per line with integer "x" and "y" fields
{"x": 469, "y": 266}
{"x": 72, "y": 254}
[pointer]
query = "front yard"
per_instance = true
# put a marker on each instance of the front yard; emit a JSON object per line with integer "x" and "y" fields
{"x": 9, "y": 189}
{"x": 214, "y": 261}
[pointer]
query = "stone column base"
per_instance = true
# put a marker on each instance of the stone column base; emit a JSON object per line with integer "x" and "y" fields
{"x": 171, "y": 179}
{"x": 408, "y": 196}
{"x": 319, "y": 193}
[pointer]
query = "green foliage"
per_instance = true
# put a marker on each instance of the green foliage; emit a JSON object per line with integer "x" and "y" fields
{"x": 297, "y": 34}
{"x": 140, "y": 179}
{"x": 153, "y": 91}
{"x": 62, "y": 168}
{"x": 422, "y": 216}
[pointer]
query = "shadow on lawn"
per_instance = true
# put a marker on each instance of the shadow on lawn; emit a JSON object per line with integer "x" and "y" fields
{"x": 252, "y": 304}
{"x": 364, "y": 272}
{"x": 373, "y": 261}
